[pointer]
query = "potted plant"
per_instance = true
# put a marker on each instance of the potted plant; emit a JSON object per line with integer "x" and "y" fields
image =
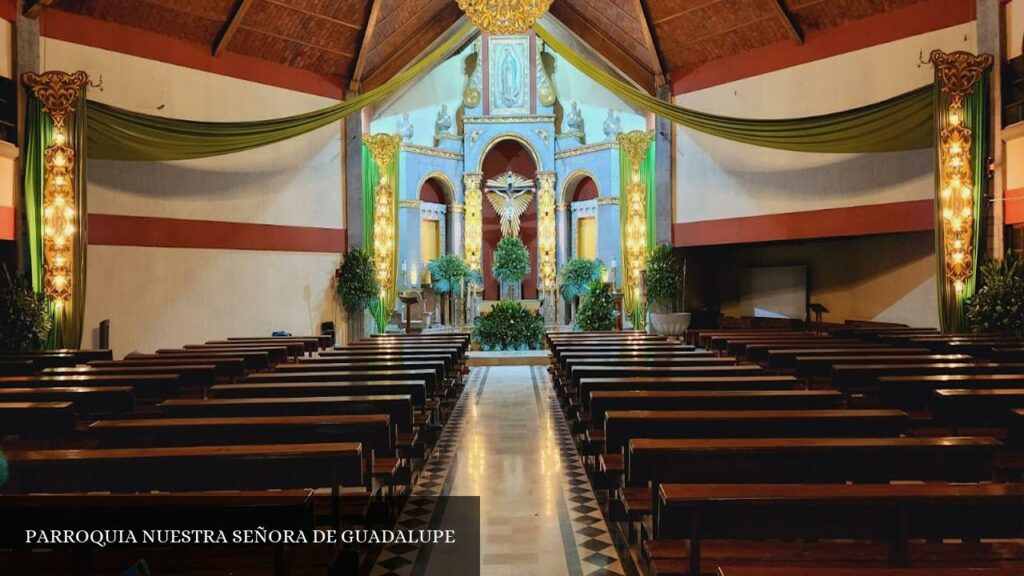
{"x": 511, "y": 264}
{"x": 24, "y": 322}
{"x": 666, "y": 290}
{"x": 597, "y": 310}
{"x": 447, "y": 274}
{"x": 357, "y": 285}
{"x": 998, "y": 307}
{"x": 575, "y": 278}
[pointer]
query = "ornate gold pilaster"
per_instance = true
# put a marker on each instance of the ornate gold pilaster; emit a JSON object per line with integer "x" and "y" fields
{"x": 546, "y": 229}
{"x": 57, "y": 91}
{"x": 383, "y": 148}
{"x": 474, "y": 219}
{"x": 634, "y": 145}
{"x": 957, "y": 74}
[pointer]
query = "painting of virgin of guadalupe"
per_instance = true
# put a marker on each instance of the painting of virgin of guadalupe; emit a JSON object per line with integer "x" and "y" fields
{"x": 509, "y": 76}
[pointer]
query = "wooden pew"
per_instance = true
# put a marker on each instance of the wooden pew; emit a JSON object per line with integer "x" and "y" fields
{"x": 16, "y": 367}
{"x": 227, "y": 511}
{"x": 373, "y": 431}
{"x": 380, "y": 373}
{"x": 275, "y": 354}
{"x": 42, "y": 361}
{"x": 976, "y": 407}
{"x": 863, "y": 571}
{"x": 309, "y": 344}
{"x": 323, "y": 340}
{"x": 588, "y": 386}
{"x": 37, "y": 419}
{"x": 398, "y": 407}
{"x": 724, "y": 413}
{"x": 569, "y": 354}
{"x": 195, "y": 376}
{"x": 87, "y": 400}
{"x": 341, "y": 365}
{"x": 78, "y": 356}
{"x": 1008, "y": 354}
{"x": 864, "y": 377}
{"x": 292, "y": 349}
{"x": 146, "y": 386}
{"x": 762, "y": 351}
{"x": 725, "y": 397}
{"x": 589, "y": 373}
{"x": 251, "y": 360}
{"x": 786, "y": 357}
{"x": 821, "y": 366}
{"x": 743, "y": 348}
{"x": 892, "y": 513}
{"x": 449, "y": 360}
{"x": 415, "y": 389}
{"x": 225, "y": 368}
{"x": 702, "y": 337}
{"x": 915, "y": 393}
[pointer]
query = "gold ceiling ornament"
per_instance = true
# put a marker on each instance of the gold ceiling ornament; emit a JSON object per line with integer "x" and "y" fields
{"x": 57, "y": 91}
{"x": 473, "y": 238}
{"x": 504, "y": 17}
{"x": 957, "y": 74}
{"x": 546, "y": 229}
{"x": 383, "y": 148}
{"x": 635, "y": 145}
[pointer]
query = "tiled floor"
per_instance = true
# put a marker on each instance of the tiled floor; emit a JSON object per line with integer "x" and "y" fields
{"x": 509, "y": 444}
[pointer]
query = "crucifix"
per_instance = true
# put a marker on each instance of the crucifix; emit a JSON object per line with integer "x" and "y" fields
{"x": 510, "y": 194}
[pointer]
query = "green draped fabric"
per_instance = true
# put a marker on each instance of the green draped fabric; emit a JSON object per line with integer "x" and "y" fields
{"x": 380, "y": 309}
{"x": 904, "y": 122}
{"x": 119, "y": 134}
{"x": 633, "y": 307}
{"x": 67, "y": 319}
{"x": 951, "y": 304}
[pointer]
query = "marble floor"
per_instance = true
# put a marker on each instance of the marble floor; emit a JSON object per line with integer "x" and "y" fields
{"x": 508, "y": 443}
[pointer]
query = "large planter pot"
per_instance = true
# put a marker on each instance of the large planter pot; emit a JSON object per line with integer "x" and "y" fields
{"x": 669, "y": 324}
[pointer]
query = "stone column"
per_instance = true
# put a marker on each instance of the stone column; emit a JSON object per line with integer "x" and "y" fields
{"x": 458, "y": 212}
{"x": 562, "y": 248}
{"x": 991, "y": 36}
{"x": 664, "y": 186}
{"x": 609, "y": 239}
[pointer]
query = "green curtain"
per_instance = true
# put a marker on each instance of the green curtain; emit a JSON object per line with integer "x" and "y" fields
{"x": 67, "y": 319}
{"x": 904, "y": 122}
{"x": 951, "y": 304}
{"x": 633, "y": 307}
{"x": 119, "y": 134}
{"x": 380, "y": 309}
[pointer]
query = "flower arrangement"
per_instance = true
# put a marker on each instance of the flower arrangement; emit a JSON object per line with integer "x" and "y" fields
{"x": 509, "y": 326}
{"x": 998, "y": 307}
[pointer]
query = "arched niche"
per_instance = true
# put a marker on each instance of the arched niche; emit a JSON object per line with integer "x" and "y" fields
{"x": 515, "y": 154}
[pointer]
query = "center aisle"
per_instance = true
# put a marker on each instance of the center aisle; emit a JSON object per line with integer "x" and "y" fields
{"x": 510, "y": 445}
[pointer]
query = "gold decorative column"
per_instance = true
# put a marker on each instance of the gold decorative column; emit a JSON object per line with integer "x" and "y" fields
{"x": 634, "y": 145}
{"x": 546, "y": 229}
{"x": 57, "y": 91}
{"x": 960, "y": 203}
{"x": 383, "y": 148}
{"x": 474, "y": 219}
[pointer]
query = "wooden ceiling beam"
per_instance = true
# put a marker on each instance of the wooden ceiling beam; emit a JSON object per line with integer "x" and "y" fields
{"x": 787, "y": 21}
{"x": 401, "y": 57}
{"x": 315, "y": 14}
{"x": 231, "y": 26}
{"x": 364, "y": 46}
{"x": 33, "y": 8}
{"x": 650, "y": 40}
{"x": 660, "y": 21}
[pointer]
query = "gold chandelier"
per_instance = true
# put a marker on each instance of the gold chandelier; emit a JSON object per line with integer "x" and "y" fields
{"x": 504, "y": 16}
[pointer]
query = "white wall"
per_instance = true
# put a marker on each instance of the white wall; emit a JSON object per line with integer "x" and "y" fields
{"x": 158, "y": 297}
{"x": 718, "y": 179}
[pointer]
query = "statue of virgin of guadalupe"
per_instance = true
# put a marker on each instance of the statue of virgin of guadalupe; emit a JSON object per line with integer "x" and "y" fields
{"x": 509, "y": 87}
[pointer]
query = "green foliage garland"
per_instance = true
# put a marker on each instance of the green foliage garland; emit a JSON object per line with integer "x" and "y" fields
{"x": 447, "y": 273}
{"x": 511, "y": 261}
{"x": 999, "y": 306}
{"x": 357, "y": 281}
{"x": 597, "y": 311}
{"x": 576, "y": 276}
{"x": 24, "y": 323}
{"x": 509, "y": 326}
{"x": 666, "y": 279}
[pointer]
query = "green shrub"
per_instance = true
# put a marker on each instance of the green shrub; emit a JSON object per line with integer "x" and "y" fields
{"x": 447, "y": 273}
{"x": 511, "y": 261}
{"x": 509, "y": 326}
{"x": 24, "y": 321}
{"x": 357, "y": 281}
{"x": 576, "y": 275}
{"x": 998, "y": 307}
{"x": 666, "y": 279}
{"x": 597, "y": 310}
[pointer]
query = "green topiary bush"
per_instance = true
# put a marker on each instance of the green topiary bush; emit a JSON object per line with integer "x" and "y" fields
{"x": 576, "y": 275}
{"x": 24, "y": 322}
{"x": 666, "y": 279}
{"x": 357, "y": 281}
{"x": 509, "y": 326}
{"x": 447, "y": 273}
{"x": 998, "y": 307}
{"x": 511, "y": 261}
{"x": 597, "y": 311}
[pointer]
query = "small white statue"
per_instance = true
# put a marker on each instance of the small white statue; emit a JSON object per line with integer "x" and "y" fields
{"x": 612, "y": 125}
{"x": 575, "y": 119}
{"x": 443, "y": 124}
{"x": 405, "y": 127}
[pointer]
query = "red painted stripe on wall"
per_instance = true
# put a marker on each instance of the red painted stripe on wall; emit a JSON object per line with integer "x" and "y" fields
{"x": 1013, "y": 206}
{"x": 118, "y": 230}
{"x": 6, "y": 223}
{"x": 116, "y": 38}
{"x": 9, "y": 10}
{"x": 910, "y": 216}
{"x": 916, "y": 19}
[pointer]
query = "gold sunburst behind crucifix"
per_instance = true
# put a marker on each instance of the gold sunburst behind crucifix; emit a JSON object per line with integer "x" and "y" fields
{"x": 509, "y": 194}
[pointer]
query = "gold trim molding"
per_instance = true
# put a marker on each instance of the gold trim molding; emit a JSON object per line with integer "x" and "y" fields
{"x": 608, "y": 201}
{"x": 958, "y": 72}
{"x": 410, "y": 203}
{"x": 428, "y": 151}
{"x": 580, "y": 150}
{"x": 509, "y": 119}
{"x": 57, "y": 91}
